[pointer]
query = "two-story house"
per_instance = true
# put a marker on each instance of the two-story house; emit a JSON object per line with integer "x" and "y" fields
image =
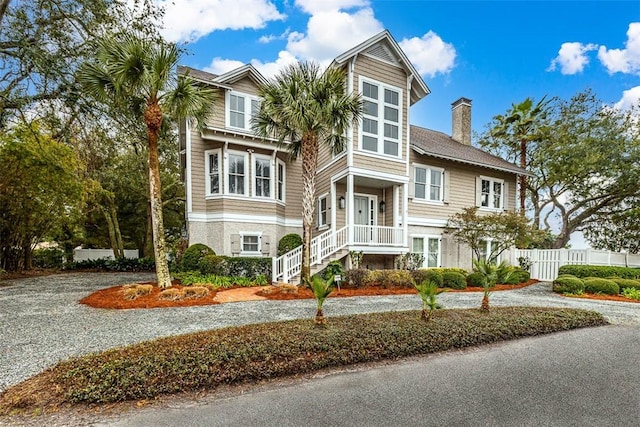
{"x": 389, "y": 192}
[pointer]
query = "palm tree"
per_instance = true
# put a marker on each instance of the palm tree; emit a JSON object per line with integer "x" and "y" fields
{"x": 140, "y": 73}
{"x": 305, "y": 107}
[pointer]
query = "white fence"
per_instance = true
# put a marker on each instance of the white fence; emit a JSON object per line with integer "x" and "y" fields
{"x": 546, "y": 262}
{"x": 89, "y": 254}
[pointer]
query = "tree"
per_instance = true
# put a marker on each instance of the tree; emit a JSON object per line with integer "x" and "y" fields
{"x": 305, "y": 107}
{"x": 585, "y": 162}
{"x": 140, "y": 73}
{"x": 515, "y": 132}
{"x": 616, "y": 229}
{"x": 40, "y": 190}
{"x": 504, "y": 229}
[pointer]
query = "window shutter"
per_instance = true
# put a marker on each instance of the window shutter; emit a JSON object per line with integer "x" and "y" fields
{"x": 478, "y": 191}
{"x": 505, "y": 196}
{"x": 329, "y": 206}
{"x": 412, "y": 182}
{"x": 447, "y": 187}
{"x": 235, "y": 244}
{"x": 317, "y": 214}
{"x": 443, "y": 251}
{"x": 266, "y": 245}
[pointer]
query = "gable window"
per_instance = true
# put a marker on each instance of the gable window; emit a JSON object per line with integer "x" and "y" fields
{"x": 381, "y": 118}
{"x": 322, "y": 211}
{"x": 237, "y": 174}
{"x": 262, "y": 170}
{"x": 429, "y": 247}
{"x": 491, "y": 193}
{"x": 428, "y": 183}
{"x": 212, "y": 168}
{"x": 280, "y": 190}
{"x": 241, "y": 109}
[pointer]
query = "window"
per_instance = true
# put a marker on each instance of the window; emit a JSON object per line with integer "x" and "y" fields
{"x": 212, "y": 168}
{"x": 236, "y": 174}
{"x": 487, "y": 248}
{"x": 381, "y": 119}
{"x": 280, "y": 190}
{"x": 429, "y": 247}
{"x": 262, "y": 172}
{"x": 428, "y": 183}
{"x": 250, "y": 243}
{"x": 241, "y": 109}
{"x": 491, "y": 193}
{"x": 322, "y": 211}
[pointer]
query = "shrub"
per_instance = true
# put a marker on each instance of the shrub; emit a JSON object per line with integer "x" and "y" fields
{"x": 213, "y": 264}
{"x": 504, "y": 272}
{"x": 332, "y": 269}
{"x": 250, "y": 267}
{"x": 391, "y": 278}
{"x": 105, "y": 264}
{"x": 475, "y": 279}
{"x": 602, "y": 271}
{"x": 48, "y": 258}
{"x": 523, "y": 276}
{"x": 597, "y": 285}
{"x": 453, "y": 280}
{"x": 443, "y": 270}
{"x": 626, "y": 283}
{"x": 428, "y": 274}
{"x": 356, "y": 278}
{"x": 135, "y": 290}
{"x": 288, "y": 243}
{"x": 195, "y": 292}
{"x": 172, "y": 294}
{"x": 631, "y": 293}
{"x": 193, "y": 255}
{"x": 568, "y": 285}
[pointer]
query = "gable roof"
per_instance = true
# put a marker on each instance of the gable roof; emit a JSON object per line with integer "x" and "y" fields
{"x": 226, "y": 79}
{"x": 419, "y": 88}
{"x": 441, "y": 145}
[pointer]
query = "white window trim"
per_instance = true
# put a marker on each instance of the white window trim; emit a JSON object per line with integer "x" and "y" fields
{"x": 427, "y": 191}
{"x": 254, "y": 158}
{"x": 322, "y": 226}
{"x": 381, "y": 104}
{"x": 502, "y": 198}
{"x": 488, "y": 250}
{"x": 244, "y": 234}
{"x": 284, "y": 181}
{"x": 247, "y": 109}
{"x": 207, "y": 180}
{"x": 426, "y": 238}
{"x": 247, "y": 175}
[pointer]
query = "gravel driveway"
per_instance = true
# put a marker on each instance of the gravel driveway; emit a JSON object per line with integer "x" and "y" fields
{"x": 42, "y": 322}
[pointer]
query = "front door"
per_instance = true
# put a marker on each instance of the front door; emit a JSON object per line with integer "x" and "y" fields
{"x": 364, "y": 215}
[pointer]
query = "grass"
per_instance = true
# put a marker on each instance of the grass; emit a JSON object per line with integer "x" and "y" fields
{"x": 206, "y": 360}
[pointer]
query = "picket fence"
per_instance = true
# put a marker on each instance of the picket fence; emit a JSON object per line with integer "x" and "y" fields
{"x": 546, "y": 262}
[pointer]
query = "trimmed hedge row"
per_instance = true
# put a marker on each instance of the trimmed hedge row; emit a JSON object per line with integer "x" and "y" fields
{"x": 567, "y": 283}
{"x": 221, "y": 265}
{"x": 603, "y": 271}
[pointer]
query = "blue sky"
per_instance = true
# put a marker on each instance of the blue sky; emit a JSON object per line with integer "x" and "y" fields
{"x": 494, "y": 52}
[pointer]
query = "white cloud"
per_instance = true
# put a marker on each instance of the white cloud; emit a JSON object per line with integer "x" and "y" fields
{"x": 630, "y": 98}
{"x": 220, "y": 66}
{"x": 572, "y": 57}
{"x": 429, "y": 54}
{"x": 314, "y": 6}
{"x": 271, "y": 37}
{"x": 268, "y": 69}
{"x": 188, "y": 20}
{"x": 330, "y": 33}
{"x": 625, "y": 60}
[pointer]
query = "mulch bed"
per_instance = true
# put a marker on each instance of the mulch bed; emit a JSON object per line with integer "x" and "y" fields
{"x": 619, "y": 298}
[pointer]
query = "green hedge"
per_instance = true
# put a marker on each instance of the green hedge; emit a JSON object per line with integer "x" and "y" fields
{"x": 602, "y": 271}
{"x": 429, "y": 274}
{"x": 390, "y": 279}
{"x": 454, "y": 280}
{"x": 597, "y": 285}
{"x": 356, "y": 278}
{"x": 193, "y": 255}
{"x": 475, "y": 279}
{"x": 568, "y": 284}
{"x": 626, "y": 283}
{"x": 48, "y": 258}
{"x": 120, "y": 264}
{"x": 288, "y": 243}
{"x": 249, "y": 267}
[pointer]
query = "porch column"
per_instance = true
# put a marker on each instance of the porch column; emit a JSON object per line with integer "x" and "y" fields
{"x": 396, "y": 206}
{"x": 405, "y": 214}
{"x": 334, "y": 212}
{"x": 350, "y": 210}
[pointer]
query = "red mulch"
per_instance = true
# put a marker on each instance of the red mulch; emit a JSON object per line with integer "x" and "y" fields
{"x": 113, "y": 298}
{"x": 604, "y": 297}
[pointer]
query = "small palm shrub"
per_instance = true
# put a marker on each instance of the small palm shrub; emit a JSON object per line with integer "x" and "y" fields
{"x": 504, "y": 271}
{"x": 631, "y": 293}
{"x": 321, "y": 290}
{"x": 288, "y": 243}
{"x": 428, "y": 274}
{"x": 453, "y": 280}
{"x": 194, "y": 255}
{"x": 601, "y": 286}
{"x": 428, "y": 292}
{"x": 567, "y": 284}
{"x": 489, "y": 272}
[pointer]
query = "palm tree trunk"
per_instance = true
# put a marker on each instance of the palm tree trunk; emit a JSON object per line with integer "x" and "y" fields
{"x": 485, "y": 302}
{"x": 320, "y": 319}
{"x": 523, "y": 178}
{"x": 153, "y": 120}
{"x": 309, "y": 166}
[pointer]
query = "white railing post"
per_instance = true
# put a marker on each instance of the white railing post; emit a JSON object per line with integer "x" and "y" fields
{"x": 587, "y": 256}
{"x": 274, "y": 269}
{"x": 534, "y": 264}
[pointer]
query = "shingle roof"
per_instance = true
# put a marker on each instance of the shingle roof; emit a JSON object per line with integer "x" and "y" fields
{"x": 196, "y": 74}
{"x": 441, "y": 145}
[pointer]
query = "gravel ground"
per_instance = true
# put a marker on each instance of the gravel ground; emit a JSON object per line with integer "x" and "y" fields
{"x": 42, "y": 322}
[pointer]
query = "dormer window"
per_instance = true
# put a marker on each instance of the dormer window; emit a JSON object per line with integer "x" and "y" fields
{"x": 381, "y": 119}
{"x": 240, "y": 109}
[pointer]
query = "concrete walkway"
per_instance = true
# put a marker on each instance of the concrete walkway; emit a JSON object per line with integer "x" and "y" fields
{"x": 42, "y": 322}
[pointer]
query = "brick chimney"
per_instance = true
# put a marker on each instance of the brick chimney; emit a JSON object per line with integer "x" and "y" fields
{"x": 461, "y": 121}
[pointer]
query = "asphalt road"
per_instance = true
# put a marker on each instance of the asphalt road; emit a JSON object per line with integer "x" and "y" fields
{"x": 586, "y": 377}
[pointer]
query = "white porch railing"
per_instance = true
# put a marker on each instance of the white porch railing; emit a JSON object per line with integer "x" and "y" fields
{"x": 546, "y": 262}
{"x": 289, "y": 265}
